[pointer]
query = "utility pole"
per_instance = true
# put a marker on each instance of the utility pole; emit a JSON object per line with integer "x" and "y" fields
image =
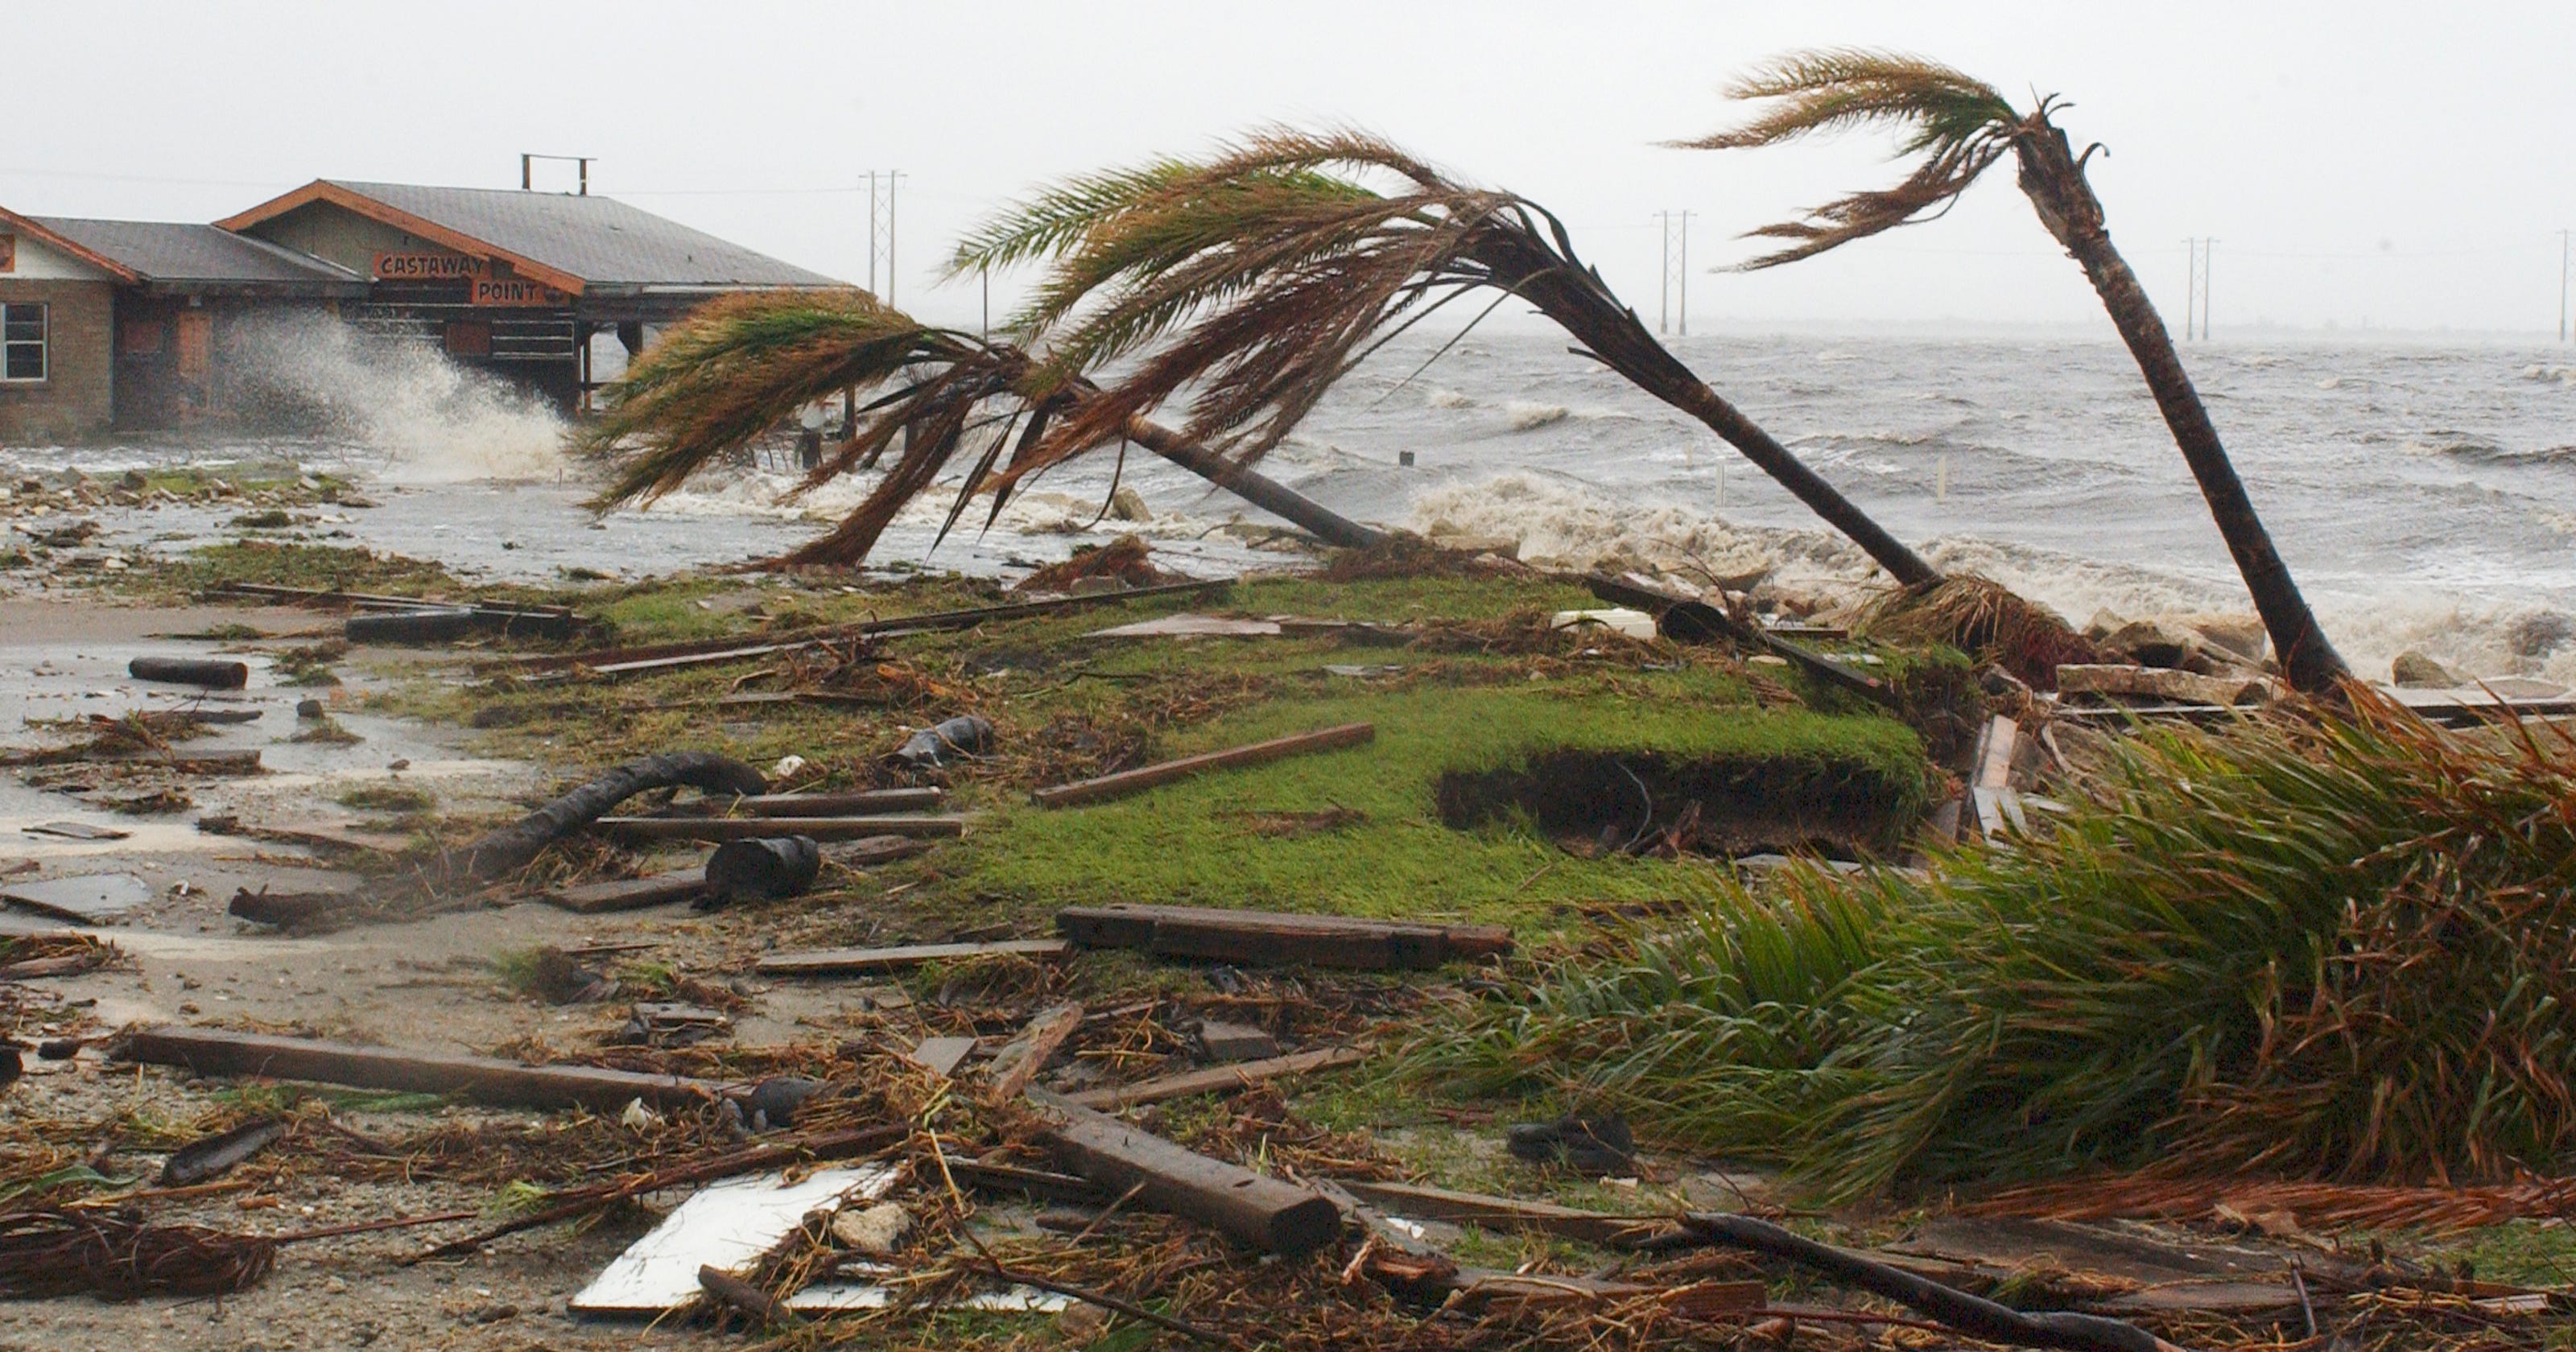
{"x": 2195, "y": 302}
{"x": 881, "y": 188}
{"x": 1676, "y": 288}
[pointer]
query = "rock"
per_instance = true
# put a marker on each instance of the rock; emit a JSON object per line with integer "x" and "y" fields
{"x": 2539, "y": 635}
{"x": 2415, "y": 670}
{"x": 2156, "y": 642}
{"x": 1129, "y": 505}
{"x": 2163, "y": 683}
{"x": 874, "y": 1231}
{"x": 1229, "y": 1042}
{"x": 2238, "y": 638}
{"x": 1588, "y": 1144}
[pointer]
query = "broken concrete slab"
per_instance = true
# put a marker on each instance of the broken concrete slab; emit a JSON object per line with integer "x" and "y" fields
{"x": 2163, "y": 683}
{"x": 1226, "y": 1042}
{"x": 88, "y": 899}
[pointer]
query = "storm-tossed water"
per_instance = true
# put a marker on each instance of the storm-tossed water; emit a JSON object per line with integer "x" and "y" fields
{"x": 2424, "y": 495}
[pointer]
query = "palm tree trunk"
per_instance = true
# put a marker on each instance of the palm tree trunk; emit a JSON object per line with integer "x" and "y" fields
{"x": 2054, "y": 181}
{"x": 1612, "y": 332}
{"x": 1260, "y": 490}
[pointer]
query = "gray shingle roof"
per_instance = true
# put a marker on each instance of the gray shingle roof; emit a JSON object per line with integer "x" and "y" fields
{"x": 599, "y": 239}
{"x": 173, "y": 252}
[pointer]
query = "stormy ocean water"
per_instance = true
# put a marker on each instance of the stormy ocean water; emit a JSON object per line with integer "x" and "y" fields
{"x": 2424, "y": 494}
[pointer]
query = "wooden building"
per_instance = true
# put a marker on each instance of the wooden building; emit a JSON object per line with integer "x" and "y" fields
{"x": 137, "y": 326}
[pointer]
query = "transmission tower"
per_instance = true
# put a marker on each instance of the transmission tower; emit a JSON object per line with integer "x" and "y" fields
{"x": 881, "y": 188}
{"x": 1674, "y": 302}
{"x": 2195, "y": 304}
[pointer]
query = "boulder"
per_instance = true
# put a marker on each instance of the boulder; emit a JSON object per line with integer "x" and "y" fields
{"x": 2413, "y": 669}
{"x": 1129, "y": 505}
{"x": 2158, "y": 642}
{"x": 2162, "y": 683}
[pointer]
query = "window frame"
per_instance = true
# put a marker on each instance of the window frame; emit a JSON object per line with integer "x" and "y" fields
{"x": 44, "y": 342}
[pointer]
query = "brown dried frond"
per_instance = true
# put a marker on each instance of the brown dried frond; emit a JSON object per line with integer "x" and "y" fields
{"x": 1986, "y": 620}
{"x": 1959, "y": 126}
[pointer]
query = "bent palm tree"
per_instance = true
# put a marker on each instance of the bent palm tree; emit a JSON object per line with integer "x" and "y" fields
{"x": 738, "y": 366}
{"x": 1272, "y": 277}
{"x": 1960, "y": 127}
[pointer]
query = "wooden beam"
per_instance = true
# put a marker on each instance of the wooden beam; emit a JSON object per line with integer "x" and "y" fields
{"x": 630, "y": 894}
{"x": 1262, "y": 1212}
{"x": 1138, "y": 780}
{"x": 812, "y": 804}
{"x": 1271, "y": 938}
{"x": 1019, "y": 1061}
{"x": 862, "y": 961}
{"x": 745, "y": 828}
{"x": 1217, "y": 1079}
{"x": 215, "y": 1052}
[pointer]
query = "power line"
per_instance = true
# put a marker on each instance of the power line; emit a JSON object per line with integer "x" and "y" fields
{"x": 2563, "y": 258}
{"x": 2195, "y": 303}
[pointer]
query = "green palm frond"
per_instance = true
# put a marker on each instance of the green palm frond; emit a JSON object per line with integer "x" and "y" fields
{"x": 739, "y": 365}
{"x": 1958, "y": 126}
{"x": 1263, "y": 272}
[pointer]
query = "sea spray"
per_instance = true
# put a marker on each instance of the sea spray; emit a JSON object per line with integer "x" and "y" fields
{"x": 432, "y": 420}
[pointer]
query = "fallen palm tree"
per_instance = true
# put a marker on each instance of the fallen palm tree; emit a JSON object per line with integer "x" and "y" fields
{"x": 1258, "y": 277}
{"x": 739, "y": 366}
{"x": 2333, "y": 951}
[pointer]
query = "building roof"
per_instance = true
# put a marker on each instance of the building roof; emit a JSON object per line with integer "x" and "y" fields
{"x": 158, "y": 251}
{"x": 576, "y": 243}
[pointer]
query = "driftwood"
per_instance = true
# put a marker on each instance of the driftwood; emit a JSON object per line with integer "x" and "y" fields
{"x": 1259, "y": 1211}
{"x": 213, "y": 1052}
{"x": 1138, "y": 780}
{"x": 514, "y": 845}
{"x": 206, "y": 672}
{"x": 1217, "y": 1079}
{"x": 1972, "y": 1315}
{"x": 629, "y": 894}
{"x": 1271, "y": 938}
{"x": 863, "y": 961}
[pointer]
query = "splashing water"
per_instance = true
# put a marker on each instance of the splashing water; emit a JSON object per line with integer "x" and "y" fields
{"x": 432, "y": 420}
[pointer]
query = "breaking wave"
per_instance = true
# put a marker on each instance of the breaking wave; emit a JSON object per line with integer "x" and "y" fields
{"x": 433, "y": 421}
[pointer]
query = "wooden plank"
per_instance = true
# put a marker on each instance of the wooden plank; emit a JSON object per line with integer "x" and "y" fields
{"x": 1138, "y": 780}
{"x": 812, "y": 804}
{"x": 861, "y": 961}
{"x": 629, "y": 894}
{"x": 1020, "y": 1060}
{"x": 1273, "y": 938}
{"x": 1216, "y": 1079}
{"x": 1995, "y": 748}
{"x": 746, "y": 828}
{"x": 1262, "y": 1212}
{"x": 1415, "y": 1201}
{"x": 215, "y": 1052}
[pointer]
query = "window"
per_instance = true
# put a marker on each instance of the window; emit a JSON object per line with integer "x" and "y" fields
{"x": 22, "y": 342}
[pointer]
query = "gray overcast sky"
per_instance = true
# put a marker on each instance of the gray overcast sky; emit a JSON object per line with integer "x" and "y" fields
{"x": 2401, "y": 165}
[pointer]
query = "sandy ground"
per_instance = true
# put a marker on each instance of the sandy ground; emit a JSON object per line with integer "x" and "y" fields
{"x": 426, "y": 986}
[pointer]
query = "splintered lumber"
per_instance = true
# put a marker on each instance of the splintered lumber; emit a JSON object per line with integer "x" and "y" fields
{"x": 1019, "y": 1061}
{"x": 679, "y": 656}
{"x": 1972, "y": 1315}
{"x": 629, "y": 894}
{"x": 307, "y": 596}
{"x": 1217, "y": 1079}
{"x": 199, "y": 671}
{"x": 519, "y": 842}
{"x": 863, "y": 961}
{"x": 216, "y": 1052}
{"x": 746, "y": 828}
{"x": 1262, "y": 1212}
{"x": 1271, "y": 938}
{"x": 811, "y": 804}
{"x": 1136, "y": 781}
{"x": 1417, "y": 1202}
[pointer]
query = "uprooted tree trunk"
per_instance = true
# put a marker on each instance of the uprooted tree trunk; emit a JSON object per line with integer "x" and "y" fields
{"x": 514, "y": 845}
{"x": 1612, "y": 333}
{"x": 2053, "y": 178}
{"x": 1260, "y": 490}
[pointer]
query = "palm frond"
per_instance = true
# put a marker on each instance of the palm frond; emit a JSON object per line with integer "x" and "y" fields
{"x": 1958, "y": 125}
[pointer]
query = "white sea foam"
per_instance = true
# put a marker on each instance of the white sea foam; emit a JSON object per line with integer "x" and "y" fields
{"x": 434, "y": 421}
{"x": 1527, "y": 417}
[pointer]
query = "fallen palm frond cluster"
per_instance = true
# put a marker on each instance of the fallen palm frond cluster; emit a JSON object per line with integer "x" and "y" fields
{"x": 2336, "y": 950}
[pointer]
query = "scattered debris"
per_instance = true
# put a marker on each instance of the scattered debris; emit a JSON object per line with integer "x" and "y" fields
{"x": 629, "y": 894}
{"x": 965, "y": 736}
{"x": 750, "y": 828}
{"x": 1217, "y": 1079}
{"x": 725, "y": 1225}
{"x": 211, "y": 674}
{"x": 866, "y": 961}
{"x": 77, "y": 831}
{"x": 1262, "y": 1212}
{"x": 218, "y": 1052}
{"x": 514, "y": 845}
{"x": 216, "y": 1155}
{"x": 1270, "y": 937}
{"x": 766, "y": 867}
